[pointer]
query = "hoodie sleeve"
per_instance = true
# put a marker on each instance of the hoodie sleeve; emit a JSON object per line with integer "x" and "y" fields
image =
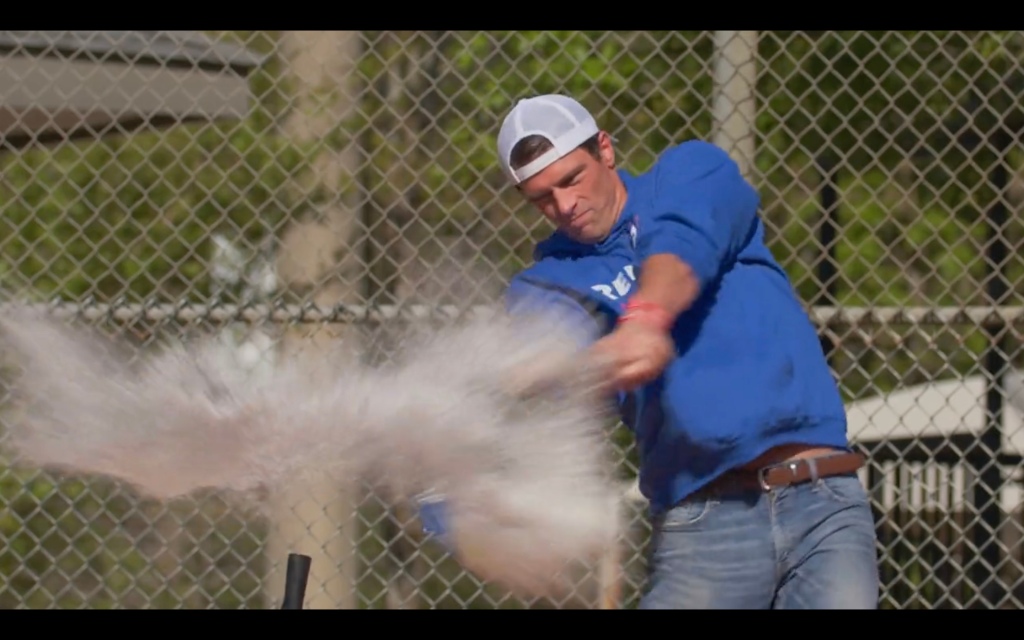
{"x": 524, "y": 297}
{"x": 703, "y": 210}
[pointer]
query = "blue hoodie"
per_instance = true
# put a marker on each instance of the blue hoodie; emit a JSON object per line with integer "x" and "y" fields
{"x": 750, "y": 373}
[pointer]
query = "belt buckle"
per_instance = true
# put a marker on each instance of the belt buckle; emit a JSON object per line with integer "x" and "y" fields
{"x": 762, "y": 473}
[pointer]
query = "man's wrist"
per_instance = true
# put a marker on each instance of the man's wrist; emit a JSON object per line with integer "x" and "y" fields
{"x": 648, "y": 313}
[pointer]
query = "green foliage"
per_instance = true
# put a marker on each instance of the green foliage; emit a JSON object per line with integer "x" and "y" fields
{"x": 72, "y": 544}
{"x": 132, "y": 217}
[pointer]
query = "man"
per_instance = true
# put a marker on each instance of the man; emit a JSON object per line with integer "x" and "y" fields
{"x": 715, "y": 366}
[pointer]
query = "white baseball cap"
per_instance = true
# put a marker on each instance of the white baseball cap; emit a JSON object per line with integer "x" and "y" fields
{"x": 563, "y": 121}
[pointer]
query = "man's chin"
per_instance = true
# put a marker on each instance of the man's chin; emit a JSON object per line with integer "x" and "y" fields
{"x": 586, "y": 235}
{"x": 580, "y": 229}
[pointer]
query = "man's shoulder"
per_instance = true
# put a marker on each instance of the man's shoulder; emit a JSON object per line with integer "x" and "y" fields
{"x": 689, "y": 160}
{"x": 550, "y": 264}
{"x": 695, "y": 147}
{"x": 555, "y": 283}
{"x": 675, "y": 171}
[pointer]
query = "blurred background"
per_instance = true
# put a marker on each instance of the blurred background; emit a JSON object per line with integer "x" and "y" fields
{"x": 153, "y": 183}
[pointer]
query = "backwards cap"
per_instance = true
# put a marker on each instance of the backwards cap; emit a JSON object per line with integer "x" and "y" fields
{"x": 563, "y": 121}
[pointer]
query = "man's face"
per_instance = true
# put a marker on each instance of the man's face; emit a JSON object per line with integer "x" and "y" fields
{"x": 580, "y": 194}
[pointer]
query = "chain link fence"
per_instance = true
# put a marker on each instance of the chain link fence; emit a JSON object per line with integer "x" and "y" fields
{"x": 250, "y": 182}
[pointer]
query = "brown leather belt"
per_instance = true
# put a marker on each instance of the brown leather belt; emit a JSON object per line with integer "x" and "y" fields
{"x": 795, "y": 471}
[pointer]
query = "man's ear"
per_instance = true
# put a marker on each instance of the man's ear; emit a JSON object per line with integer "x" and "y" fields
{"x": 607, "y": 150}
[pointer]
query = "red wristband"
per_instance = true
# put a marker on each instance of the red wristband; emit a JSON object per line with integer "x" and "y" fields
{"x": 648, "y": 312}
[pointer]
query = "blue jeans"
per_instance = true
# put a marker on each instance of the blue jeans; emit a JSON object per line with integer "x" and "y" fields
{"x": 804, "y": 546}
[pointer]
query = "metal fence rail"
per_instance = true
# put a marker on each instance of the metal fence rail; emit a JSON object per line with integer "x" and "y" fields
{"x": 277, "y": 185}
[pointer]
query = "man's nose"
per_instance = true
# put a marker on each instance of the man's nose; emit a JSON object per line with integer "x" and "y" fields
{"x": 566, "y": 202}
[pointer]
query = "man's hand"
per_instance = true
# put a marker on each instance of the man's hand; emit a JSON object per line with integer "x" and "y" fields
{"x": 634, "y": 354}
{"x": 641, "y": 346}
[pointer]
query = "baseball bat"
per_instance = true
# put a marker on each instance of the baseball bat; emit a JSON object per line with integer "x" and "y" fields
{"x": 295, "y": 579}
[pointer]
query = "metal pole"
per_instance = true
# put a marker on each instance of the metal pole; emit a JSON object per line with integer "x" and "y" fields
{"x": 296, "y": 577}
{"x": 827, "y": 265}
{"x": 990, "y": 479}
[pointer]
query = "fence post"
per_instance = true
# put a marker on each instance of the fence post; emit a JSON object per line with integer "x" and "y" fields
{"x": 734, "y": 105}
{"x": 829, "y": 228}
{"x": 988, "y": 488}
